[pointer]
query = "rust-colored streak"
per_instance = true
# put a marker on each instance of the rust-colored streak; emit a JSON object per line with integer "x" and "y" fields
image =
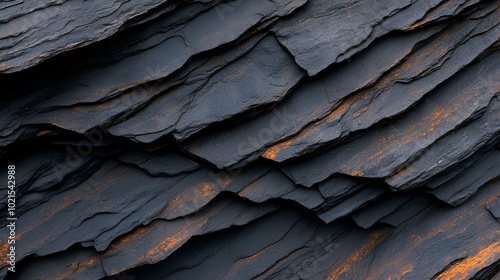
{"x": 158, "y": 247}
{"x": 414, "y": 66}
{"x": 404, "y": 260}
{"x": 197, "y": 195}
{"x": 274, "y": 150}
{"x": 373, "y": 154}
{"x": 4, "y": 250}
{"x": 43, "y": 132}
{"x": 354, "y": 259}
{"x": 128, "y": 238}
{"x": 66, "y": 271}
{"x": 469, "y": 266}
{"x": 168, "y": 244}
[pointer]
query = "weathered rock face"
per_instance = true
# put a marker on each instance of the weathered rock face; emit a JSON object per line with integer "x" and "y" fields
{"x": 286, "y": 139}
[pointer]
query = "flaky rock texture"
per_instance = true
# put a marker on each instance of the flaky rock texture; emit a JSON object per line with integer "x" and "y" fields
{"x": 284, "y": 139}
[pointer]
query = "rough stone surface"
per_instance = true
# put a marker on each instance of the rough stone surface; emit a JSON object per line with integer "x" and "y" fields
{"x": 285, "y": 139}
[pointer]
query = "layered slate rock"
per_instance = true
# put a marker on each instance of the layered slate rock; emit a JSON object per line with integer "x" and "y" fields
{"x": 226, "y": 93}
{"x": 439, "y": 243}
{"x": 289, "y": 139}
{"x": 348, "y": 27}
{"x": 381, "y": 151}
{"x": 35, "y": 32}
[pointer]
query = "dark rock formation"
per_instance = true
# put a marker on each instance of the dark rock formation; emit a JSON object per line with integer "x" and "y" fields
{"x": 286, "y": 139}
